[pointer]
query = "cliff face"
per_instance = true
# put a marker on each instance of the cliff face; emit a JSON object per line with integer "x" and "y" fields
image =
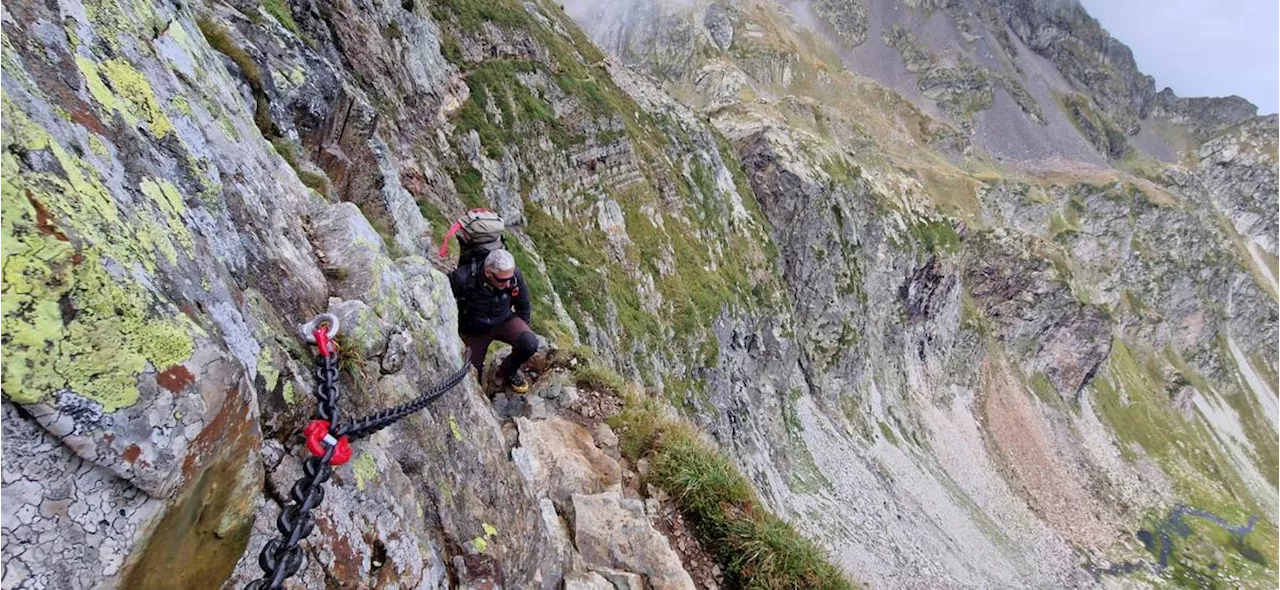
{"x": 798, "y": 227}
{"x": 986, "y": 363}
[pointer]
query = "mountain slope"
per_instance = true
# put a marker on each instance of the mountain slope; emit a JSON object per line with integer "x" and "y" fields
{"x": 1003, "y": 346}
{"x": 1028, "y": 81}
{"x": 951, "y": 320}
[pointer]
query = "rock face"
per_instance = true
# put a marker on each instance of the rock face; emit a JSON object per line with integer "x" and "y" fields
{"x": 997, "y": 349}
{"x": 847, "y": 18}
{"x": 614, "y": 532}
{"x": 561, "y": 457}
{"x": 186, "y": 184}
{"x": 945, "y": 373}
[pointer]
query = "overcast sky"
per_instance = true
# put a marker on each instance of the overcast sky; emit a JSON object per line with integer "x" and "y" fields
{"x": 1201, "y": 47}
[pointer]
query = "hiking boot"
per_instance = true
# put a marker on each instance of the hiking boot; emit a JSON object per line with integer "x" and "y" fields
{"x": 518, "y": 383}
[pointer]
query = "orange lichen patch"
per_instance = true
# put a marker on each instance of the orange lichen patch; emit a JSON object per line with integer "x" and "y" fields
{"x": 44, "y": 221}
{"x": 81, "y": 114}
{"x": 232, "y": 426}
{"x": 132, "y": 453}
{"x": 176, "y": 379}
{"x": 346, "y": 561}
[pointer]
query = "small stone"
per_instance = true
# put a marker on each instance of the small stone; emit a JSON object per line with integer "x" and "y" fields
{"x": 551, "y": 391}
{"x": 510, "y": 434}
{"x": 541, "y": 409}
{"x": 510, "y": 406}
{"x": 398, "y": 347}
{"x": 568, "y": 396}
{"x": 586, "y": 581}
{"x": 605, "y": 437}
{"x": 621, "y": 580}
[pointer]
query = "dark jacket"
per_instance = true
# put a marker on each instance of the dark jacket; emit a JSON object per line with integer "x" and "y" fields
{"x": 480, "y": 306}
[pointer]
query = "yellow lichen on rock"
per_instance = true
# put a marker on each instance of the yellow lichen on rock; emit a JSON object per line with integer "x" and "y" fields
{"x": 132, "y": 98}
{"x": 166, "y": 197}
{"x": 75, "y": 316}
{"x": 366, "y": 470}
{"x": 71, "y": 324}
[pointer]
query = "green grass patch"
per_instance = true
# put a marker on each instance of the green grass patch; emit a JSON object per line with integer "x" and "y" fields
{"x": 288, "y": 150}
{"x": 755, "y": 548}
{"x": 1134, "y": 400}
{"x": 220, "y": 40}
{"x": 451, "y": 49}
{"x": 935, "y": 235}
{"x": 280, "y": 10}
{"x": 470, "y": 186}
{"x": 887, "y": 432}
{"x": 560, "y": 246}
{"x": 470, "y": 15}
{"x": 439, "y": 223}
{"x": 1044, "y": 389}
{"x": 598, "y": 378}
{"x": 495, "y": 85}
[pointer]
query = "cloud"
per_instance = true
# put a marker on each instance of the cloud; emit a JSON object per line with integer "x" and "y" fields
{"x": 1201, "y": 47}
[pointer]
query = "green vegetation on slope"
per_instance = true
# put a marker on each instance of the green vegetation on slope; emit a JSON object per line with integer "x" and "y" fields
{"x": 755, "y": 547}
{"x": 279, "y": 9}
{"x": 220, "y": 39}
{"x": 1095, "y": 126}
{"x": 699, "y": 257}
{"x": 1133, "y": 399}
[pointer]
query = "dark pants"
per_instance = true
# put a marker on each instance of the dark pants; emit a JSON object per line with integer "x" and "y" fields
{"x": 514, "y": 332}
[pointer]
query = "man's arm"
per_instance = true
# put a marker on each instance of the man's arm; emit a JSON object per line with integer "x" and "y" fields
{"x": 522, "y": 303}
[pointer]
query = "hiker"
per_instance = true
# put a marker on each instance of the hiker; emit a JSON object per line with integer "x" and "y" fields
{"x": 493, "y": 304}
{"x": 493, "y": 301}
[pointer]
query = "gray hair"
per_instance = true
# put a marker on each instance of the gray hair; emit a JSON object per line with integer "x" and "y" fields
{"x": 500, "y": 261}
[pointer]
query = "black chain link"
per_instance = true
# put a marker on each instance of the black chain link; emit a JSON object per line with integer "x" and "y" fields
{"x": 374, "y": 422}
{"x": 281, "y": 558}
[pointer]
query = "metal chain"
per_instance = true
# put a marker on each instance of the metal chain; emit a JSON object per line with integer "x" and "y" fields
{"x": 281, "y": 557}
{"x": 374, "y": 422}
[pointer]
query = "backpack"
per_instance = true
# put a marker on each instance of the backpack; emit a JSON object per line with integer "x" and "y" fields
{"x": 479, "y": 232}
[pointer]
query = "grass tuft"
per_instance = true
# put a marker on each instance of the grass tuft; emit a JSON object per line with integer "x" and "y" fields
{"x": 589, "y": 376}
{"x": 279, "y": 9}
{"x": 755, "y": 547}
{"x": 220, "y": 40}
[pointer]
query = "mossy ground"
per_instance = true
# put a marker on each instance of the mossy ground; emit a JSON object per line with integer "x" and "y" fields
{"x": 219, "y": 38}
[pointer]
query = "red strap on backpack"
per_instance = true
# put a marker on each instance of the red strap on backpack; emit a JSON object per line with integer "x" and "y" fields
{"x": 444, "y": 245}
{"x": 463, "y": 225}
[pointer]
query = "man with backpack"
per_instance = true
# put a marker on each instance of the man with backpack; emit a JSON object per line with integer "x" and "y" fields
{"x": 493, "y": 300}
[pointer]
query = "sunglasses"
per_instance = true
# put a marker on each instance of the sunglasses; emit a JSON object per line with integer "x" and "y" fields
{"x": 501, "y": 281}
